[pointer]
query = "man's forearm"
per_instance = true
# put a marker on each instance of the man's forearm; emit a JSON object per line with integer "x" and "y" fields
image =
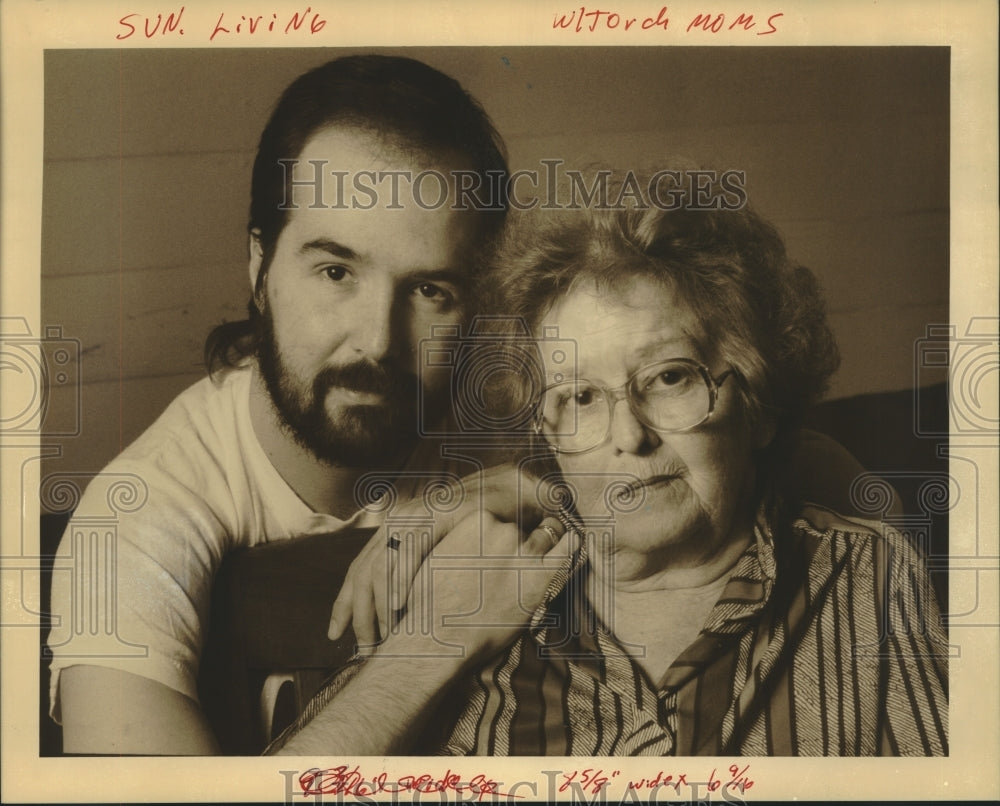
{"x": 380, "y": 711}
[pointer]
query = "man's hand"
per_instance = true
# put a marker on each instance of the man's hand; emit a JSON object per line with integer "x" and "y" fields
{"x": 468, "y": 601}
{"x": 379, "y": 579}
{"x": 478, "y": 589}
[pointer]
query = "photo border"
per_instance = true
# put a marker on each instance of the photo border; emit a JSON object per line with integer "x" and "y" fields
{"x": 969, "y": 29}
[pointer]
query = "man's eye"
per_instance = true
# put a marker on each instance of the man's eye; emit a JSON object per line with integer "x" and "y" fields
{"x": 335, "y": 273}
{"x": 431, "y": 291}
{"x": 433, "y": 294}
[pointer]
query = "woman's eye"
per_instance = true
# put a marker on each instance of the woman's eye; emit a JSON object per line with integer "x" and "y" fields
{"x": 584, "y": 397}
{"x": 670, "y": 381}
{"x": 335, "y": 273}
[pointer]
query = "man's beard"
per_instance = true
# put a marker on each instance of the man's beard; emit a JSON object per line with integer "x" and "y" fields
{"x": 359, "y": 436}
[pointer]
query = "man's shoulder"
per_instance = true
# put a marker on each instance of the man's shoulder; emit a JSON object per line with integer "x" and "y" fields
{"x": 215, "y": 394}
{"x": 199, "y": 417}
{"x": 182, "y": 454}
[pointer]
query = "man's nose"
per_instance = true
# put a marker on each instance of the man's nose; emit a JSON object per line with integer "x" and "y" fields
{"x": 628, "y": 433}
{"x": 373, "y": 325}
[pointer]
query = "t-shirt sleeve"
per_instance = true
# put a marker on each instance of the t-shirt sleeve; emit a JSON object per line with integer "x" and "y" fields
{"x": 131, "y": 585}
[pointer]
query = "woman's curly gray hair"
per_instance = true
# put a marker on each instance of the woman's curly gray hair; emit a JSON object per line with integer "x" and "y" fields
{"x": 759, "y": 312}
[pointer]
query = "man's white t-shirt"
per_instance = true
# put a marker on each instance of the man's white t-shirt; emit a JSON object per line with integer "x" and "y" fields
{"x": 152, "y": 528}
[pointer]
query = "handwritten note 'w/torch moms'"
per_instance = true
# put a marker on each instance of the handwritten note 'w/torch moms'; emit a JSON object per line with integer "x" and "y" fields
{"x": 591, "y": 20}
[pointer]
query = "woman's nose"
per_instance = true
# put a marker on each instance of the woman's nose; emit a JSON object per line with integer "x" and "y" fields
{"x": 628, "y": 433}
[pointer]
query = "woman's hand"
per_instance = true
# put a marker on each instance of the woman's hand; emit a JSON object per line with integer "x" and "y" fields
{"x": 378, "y": 581}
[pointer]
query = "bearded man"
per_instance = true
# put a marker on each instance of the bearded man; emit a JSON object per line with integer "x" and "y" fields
{"x": 352, "y": 264}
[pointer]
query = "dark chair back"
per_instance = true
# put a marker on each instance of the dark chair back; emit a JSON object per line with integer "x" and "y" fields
{"x": 270, "y": 611}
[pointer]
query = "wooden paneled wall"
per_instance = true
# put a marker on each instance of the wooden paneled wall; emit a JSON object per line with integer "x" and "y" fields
{"x": 148, "y": 155}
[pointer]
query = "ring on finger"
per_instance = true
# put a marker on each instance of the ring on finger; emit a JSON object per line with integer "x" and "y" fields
{"x": 554, "y": 536}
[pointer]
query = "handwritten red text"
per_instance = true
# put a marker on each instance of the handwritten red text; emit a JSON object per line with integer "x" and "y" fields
{"x": 660, "y": 779}
{"x": 150, "y": 27}
{"x": 584, "y": 19}
{"x": 259, "y": 24}
{"x": 345, "y": 781}
{"x": 738, "y": 779}
{"x": 163, "y": 24}
{"x": 745, "y": 22}
{"x": 589, "y": 780}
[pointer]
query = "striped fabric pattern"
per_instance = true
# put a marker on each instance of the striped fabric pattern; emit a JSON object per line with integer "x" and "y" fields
{"x": 825, "y": 641}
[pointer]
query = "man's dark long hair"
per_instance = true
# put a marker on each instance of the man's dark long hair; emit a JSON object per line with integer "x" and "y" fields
{"x": 396, "y": 98}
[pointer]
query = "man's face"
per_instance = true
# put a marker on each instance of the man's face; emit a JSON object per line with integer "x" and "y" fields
{"x": 348, "y": 295}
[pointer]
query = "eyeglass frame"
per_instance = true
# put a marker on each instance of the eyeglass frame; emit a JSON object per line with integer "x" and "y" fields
{"x": 614, "y": 395}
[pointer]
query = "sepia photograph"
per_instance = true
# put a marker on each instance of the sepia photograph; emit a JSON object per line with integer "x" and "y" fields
{"x": 565, "y": 402}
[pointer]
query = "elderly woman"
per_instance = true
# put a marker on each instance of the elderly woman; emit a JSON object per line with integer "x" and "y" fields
{"x": 693, "y": 611}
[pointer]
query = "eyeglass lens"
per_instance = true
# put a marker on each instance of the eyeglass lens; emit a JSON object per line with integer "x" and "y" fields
{"x": 668, "y": 396}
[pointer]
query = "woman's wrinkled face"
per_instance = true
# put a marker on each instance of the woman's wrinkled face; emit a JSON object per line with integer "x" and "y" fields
{"x": 672, "y": 498}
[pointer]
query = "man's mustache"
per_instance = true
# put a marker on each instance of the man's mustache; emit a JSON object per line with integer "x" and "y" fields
{"x": 363, "y": 376}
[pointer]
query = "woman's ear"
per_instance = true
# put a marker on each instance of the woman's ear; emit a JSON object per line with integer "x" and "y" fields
{"x": 763, "y": 429}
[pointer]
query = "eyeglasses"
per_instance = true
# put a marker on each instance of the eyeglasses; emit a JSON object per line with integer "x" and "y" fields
{"x": 668, "y": 396}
